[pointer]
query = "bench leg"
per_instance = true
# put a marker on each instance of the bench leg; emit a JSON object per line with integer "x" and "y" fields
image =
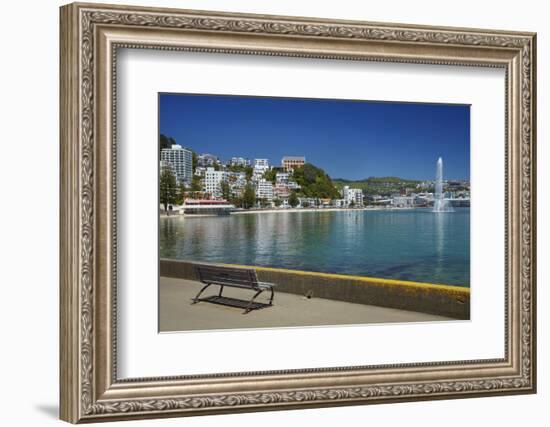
{"x": 221, "y": 289}
{"x": 196, "y": 299}
{"x": 251, "y": 301}
{"x": 271, "y": 299}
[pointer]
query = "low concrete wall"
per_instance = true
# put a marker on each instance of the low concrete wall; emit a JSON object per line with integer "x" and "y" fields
{"x": 442, "y": 300}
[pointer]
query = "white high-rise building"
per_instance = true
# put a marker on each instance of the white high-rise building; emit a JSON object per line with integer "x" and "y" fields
{"x": 213, "y": 180}
{"x": 354, "y": 195}
{"x": 181, "y": 162}
{"x": 264, "y": 190}
{"x": 260, "y": 166}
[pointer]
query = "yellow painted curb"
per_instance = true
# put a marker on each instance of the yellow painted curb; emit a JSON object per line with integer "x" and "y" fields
{"x": 366, "y": 279}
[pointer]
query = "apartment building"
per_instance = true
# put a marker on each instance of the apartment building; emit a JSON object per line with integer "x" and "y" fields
{"x": 181, "y": 162}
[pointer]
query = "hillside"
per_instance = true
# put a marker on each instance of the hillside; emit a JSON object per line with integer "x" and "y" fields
{"x": 314, "y": 182}
{"x": 378, "y": 185}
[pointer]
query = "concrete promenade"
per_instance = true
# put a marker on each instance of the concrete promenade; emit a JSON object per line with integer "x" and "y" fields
{"x": 429, "y": 298}
{"x": 178, "y": 314}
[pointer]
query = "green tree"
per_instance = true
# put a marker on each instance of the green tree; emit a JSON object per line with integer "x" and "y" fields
{"x": 293, "y": 199}
{"x": 237, "y": 201}
{"x": 263, "y": 202}
{"x": 196, "y": 184}
{"x": 270, "y": 175}
{"x": 167, "y": 188}
{"x": 314, "y": 182}
{"x": 236, "y": 168}
{"x": 180, "y": 199}
{"x": 165, "y": 142}
{"x": 277, "y": 202}
{"x": 249, "y": 171}
{"x": 352, "y": 204}
{"x": 249, "y": 196}
{"x": 195, "y": 160}
{"x": 305, "y": 204}
{"x": 225, "y": 190}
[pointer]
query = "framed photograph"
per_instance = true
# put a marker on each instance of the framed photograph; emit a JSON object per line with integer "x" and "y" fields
{"x": 239, "y": 214}
{"x": 266, "y": 212}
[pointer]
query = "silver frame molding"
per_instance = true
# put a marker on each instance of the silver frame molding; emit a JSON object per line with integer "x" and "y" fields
{"x": 90, "y": 37}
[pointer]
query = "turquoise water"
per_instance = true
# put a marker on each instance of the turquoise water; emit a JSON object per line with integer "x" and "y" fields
{"x": 414, "y": 244}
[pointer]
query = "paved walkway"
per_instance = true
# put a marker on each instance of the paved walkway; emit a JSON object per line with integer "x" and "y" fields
{"x": 178, "y": 314}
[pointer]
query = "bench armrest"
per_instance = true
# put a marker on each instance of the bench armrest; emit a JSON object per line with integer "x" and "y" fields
{"x": 267, "y": 284}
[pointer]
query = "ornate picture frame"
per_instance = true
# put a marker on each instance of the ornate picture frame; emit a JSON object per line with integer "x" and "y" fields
{"x": 90, "y": 37}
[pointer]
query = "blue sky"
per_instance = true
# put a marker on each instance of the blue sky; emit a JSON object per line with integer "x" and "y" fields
{"x": 348, "y": 139}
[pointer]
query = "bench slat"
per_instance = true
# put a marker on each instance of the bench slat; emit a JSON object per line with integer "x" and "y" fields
{"x": 227, "y": 276}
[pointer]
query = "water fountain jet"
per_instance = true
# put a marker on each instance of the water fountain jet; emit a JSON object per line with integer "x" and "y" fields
{"x": 440, "y": 203}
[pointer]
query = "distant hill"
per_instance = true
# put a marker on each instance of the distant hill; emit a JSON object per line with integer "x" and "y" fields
{"x": 378, "y": 179}
{"x": 378, "y": 185}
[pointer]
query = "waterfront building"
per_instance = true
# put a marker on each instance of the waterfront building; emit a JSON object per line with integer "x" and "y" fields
{"x": 213, "y": 180}
{"x": 382, "y": 201}
{"x": 290, "y": 162}
{"x": 354, "y": 195}
{"x": 206, "y": 207}
{"x": 264, "y": 190}
{"x": 181, "y": 161}
{"x": 308, "y": 202}
{"x": 403, "y": 201}
{"x": 423, "y": 199}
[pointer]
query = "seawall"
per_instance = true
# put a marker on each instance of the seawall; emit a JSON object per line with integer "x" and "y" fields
{"x": 442, "y": 300}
